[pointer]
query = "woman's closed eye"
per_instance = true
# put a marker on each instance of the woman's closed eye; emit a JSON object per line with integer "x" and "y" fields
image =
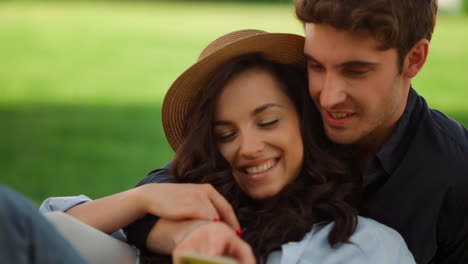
{"x": 268, "y": 123}
{"x": 224, "y": 136}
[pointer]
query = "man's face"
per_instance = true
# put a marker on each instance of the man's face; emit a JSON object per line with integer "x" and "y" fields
{"x": 357, "y": 87}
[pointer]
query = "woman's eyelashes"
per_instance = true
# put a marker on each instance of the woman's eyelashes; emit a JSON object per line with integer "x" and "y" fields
{"x": 224, "y": 136}
{"x": 227, "y": 135}
{"x": 268, "y": 123}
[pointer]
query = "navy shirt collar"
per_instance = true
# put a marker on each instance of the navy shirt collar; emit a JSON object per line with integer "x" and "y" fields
{"x": 389, "y": 156}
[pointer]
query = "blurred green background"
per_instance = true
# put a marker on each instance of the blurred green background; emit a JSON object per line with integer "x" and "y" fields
{"x": 81, "y": 84}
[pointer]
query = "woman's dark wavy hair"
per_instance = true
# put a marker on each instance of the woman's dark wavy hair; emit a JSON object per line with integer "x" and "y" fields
{"x": 324, "y": 191}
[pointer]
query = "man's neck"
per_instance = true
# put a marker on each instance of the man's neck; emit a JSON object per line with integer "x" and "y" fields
{"x": 372, "y": 144}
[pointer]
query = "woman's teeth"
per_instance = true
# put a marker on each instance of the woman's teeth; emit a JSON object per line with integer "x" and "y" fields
{"x": 261, "y": 168}
{"x": 339, "y": 115}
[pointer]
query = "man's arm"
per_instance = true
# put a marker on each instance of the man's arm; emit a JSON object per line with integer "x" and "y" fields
{"x": 200, "y": 201}
{"x": 138, "y": 231}
{"x": 161, "y": 175}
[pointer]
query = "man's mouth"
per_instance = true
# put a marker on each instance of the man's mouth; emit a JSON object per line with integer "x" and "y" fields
{"x": 261, "y": 167}
{"x": 337, "y": 119}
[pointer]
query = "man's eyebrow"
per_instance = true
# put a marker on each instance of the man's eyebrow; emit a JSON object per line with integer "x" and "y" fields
{"x": 354, "y": 63}
{"x": 359, "y": 64}
{"x": 310, "y": 58}
{"x": 263, "y": 108}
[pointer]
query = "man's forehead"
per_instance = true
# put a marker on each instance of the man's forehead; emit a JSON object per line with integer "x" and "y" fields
{"x": 323, "y": 40}
{"x": 313, "y": 30}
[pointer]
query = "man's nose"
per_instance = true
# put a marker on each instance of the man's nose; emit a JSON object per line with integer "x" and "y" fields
{"x": 333, "y": 92}
{"x": 251, "y": 145}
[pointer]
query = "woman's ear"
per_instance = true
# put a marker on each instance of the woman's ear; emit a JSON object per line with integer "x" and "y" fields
{"x": 416, "y": 58}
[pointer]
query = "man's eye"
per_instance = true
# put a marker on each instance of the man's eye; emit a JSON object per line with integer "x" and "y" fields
{"x": 316, "y": 67}
{"x": 268, "y": 123}
{"x": 356, "y": 72}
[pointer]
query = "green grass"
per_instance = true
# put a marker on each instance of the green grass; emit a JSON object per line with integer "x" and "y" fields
{"x": 71, "y": 149}
{"x": 81, "y": 85}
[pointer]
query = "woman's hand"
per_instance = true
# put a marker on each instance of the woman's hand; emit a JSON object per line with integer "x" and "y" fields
{"x": 166, "y": 200}
{"x": 179, "y": 201}
{"x": 214, "y": 239}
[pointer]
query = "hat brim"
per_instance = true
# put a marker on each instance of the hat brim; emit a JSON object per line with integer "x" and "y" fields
{"x": 278, "y": 47}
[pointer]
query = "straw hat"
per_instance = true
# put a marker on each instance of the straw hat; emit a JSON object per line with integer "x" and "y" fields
{"x": 277, "y": 47}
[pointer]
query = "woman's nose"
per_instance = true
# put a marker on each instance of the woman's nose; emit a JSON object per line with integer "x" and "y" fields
{"x": 251, "y": 145}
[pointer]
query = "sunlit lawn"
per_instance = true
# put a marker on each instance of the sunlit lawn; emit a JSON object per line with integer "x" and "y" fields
{"x": 81, "y": 85}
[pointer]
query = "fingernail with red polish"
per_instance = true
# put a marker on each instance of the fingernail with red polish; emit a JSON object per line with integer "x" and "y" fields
{"x": 239, "y": 232}
{"x": 215, "y": 219}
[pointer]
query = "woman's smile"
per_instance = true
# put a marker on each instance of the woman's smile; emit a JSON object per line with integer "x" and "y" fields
{"x": 263, "y": 166}
{"x": 261, "y": 171}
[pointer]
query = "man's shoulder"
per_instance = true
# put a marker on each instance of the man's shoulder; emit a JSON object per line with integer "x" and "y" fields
{"x": 161, "y": 175}
{"x": 448, "y": 131}
{"x": 440, "y": 146}
{"x": 440, "y": 138}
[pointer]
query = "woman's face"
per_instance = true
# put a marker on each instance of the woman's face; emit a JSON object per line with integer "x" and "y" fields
{"x": 258, "y": 132}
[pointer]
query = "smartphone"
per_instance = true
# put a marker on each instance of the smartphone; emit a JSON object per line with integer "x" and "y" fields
{"x": 195, "y": 258}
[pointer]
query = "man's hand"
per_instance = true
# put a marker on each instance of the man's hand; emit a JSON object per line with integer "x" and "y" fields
{"x": 187, "y": 201}
{"x": 214, "y": 239}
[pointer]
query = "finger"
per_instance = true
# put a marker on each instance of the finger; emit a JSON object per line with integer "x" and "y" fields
{"x": 185, "y": 247}
{"x": 195, "y": 204}
{"x": 177, "y": 254}
{"x": 197, "y": 242}
{"x": 204, "y": 210}
{"x": 217, "y": 245}
{"x": 242, "y": 252}
{"x": 223, "y": 208}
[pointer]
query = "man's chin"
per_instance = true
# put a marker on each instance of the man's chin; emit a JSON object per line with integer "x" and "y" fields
{"x": 342, "y": 138}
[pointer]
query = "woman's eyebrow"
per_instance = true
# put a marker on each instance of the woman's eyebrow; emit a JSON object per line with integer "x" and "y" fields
{"x": 221, "y": 123}
{"x": 262, "y": 108}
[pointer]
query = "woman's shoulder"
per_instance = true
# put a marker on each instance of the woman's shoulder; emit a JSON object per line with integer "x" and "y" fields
{"x": 372, "y": 242}
{"x": 370, "y": 230}
{"x": 366, "y": 230}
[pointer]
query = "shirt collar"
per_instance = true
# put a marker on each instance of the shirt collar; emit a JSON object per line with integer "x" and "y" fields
{"x": 389, "y": 155}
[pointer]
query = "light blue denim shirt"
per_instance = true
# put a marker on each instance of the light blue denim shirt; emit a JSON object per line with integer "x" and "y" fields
{"x": 66, "y": 202}
{"x": 372, "y": 242}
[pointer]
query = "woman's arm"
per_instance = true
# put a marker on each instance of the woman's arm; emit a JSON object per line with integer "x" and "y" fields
{"x": 167, "y": 200}
{"x": 110, "y": 213}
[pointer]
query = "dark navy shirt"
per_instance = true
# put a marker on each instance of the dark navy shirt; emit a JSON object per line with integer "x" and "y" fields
{"x": 417, "y": 184}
